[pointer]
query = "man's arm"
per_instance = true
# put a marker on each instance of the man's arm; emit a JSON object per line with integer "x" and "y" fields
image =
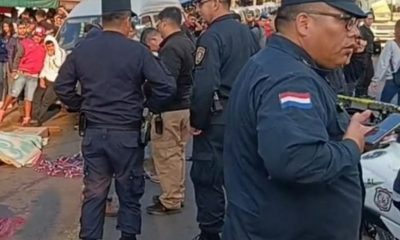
{"x": 18, "y": 56}
{"x": 65, "y": 84}
{"x": 385, "y": 62}
{"x": 161, "y": 83}
{"x": 206, "y": 81}
{"x": 292, "y": 135}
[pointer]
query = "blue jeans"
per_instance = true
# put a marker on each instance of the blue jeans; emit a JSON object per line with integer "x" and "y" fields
{"x": 389, "y": 91}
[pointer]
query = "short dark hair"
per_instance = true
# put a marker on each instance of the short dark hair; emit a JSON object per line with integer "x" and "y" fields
{"x": 397, "y": 24}
{"x": 48, "y": 42}
{"x": 286, "y": 14}
{"x": 173, "y": 14}
{"x": 22, "y": 22}
{"x": 115, "y": 17}
{"x": 40, "y": 13}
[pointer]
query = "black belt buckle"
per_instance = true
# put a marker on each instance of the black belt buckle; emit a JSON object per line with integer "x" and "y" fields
{"x": 82, "y": 124}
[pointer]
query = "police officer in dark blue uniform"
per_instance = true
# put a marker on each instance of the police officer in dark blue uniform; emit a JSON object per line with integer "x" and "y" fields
{"x": 111, "y": 70}
{"x": 221, "y": 52}
{"x": 291, "y": 153}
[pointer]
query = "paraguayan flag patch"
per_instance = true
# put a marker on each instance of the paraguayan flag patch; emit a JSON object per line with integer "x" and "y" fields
{"x": 301, "y": 100}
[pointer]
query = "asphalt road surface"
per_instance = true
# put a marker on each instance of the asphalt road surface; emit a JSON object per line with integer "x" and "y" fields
{"x": 51, "y": 205}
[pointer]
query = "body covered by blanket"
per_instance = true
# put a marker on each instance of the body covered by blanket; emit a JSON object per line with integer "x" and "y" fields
{"x": 19, "y": 149}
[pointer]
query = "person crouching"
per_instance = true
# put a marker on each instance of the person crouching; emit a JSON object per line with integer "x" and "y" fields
{"x": 45, "y": 95}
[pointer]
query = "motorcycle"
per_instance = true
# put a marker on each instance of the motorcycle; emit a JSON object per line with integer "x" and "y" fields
{"x": 380, "y": 167}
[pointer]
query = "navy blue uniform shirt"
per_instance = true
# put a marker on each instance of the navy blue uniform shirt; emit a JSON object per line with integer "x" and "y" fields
{"x": 111, "y": 70}
{"x": 288, "y": 173}
{"x": 221, "y": 53}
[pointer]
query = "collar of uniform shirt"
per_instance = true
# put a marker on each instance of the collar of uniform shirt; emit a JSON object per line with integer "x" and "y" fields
{"x": 283, "y": 44}
{"x": 221, "y": 18}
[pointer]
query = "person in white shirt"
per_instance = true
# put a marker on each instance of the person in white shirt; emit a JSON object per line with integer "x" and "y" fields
{"x": 45, "y": 95}
{"x": 388, "y": 63}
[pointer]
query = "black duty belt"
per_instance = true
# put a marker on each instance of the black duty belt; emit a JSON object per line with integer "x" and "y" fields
{"x": 135, "y": 126}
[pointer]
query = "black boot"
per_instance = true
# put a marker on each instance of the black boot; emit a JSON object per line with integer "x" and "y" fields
{"x": 125, "y": 236}
{"x": 207, "y": 236}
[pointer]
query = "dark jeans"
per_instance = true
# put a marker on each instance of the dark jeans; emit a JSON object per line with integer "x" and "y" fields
{"x": 43, "y": 99}
{"x": 109, "y": 153}
{"x": 389, "y": 91}
{"x": 366, "y": 76}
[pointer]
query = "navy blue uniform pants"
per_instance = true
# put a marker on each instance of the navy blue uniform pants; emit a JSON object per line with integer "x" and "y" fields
{"x": 107, "y": 152}
{"x": 208, "y": 179}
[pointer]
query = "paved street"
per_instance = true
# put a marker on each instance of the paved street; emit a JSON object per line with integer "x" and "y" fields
{"x": 51, "y": 205}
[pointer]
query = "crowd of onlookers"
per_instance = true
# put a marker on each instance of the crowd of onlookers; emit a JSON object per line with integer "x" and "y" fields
{"x": 261, "y": 26}
{"x": 30, "y": 56}
{"x": 29, "y": 61}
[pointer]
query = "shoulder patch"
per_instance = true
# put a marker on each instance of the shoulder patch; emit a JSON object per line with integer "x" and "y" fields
{"x": 300, "y": 100}
{"x": 200, "y": 54}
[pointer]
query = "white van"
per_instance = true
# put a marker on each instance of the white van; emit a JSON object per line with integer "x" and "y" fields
{"x": 89, "y": 12}
{"x": 150, "y": 9}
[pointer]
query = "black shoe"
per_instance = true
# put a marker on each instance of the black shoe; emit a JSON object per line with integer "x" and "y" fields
{"x": 125, "y": 236}
{"x": 207, "y": 236}
{"x": 159, "y": 209}
{"x": 156, "y": 199}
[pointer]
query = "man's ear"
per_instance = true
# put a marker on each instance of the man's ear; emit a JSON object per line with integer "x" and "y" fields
{"x": 302, "y": 23}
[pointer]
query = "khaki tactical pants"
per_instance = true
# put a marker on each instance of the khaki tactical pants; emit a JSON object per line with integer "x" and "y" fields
{"x": 168, "y": 151}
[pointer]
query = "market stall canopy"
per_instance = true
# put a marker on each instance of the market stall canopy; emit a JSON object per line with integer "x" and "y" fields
{"x": 30, "y": 3}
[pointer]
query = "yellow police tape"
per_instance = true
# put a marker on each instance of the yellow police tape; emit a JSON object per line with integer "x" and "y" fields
{"x": 370, "y": 104}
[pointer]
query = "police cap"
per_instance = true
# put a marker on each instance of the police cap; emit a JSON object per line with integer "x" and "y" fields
{"x": 349, "y": 6}
{"x": 112, "y": 6}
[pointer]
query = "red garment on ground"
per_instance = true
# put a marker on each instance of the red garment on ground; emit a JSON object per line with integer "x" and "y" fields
{"x": 9, "y": 226}
{"x": 64, "y": 166}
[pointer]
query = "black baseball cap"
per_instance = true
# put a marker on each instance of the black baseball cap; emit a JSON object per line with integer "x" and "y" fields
{"x": 349, "y": 6}
{"x": 112, "y": 6}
